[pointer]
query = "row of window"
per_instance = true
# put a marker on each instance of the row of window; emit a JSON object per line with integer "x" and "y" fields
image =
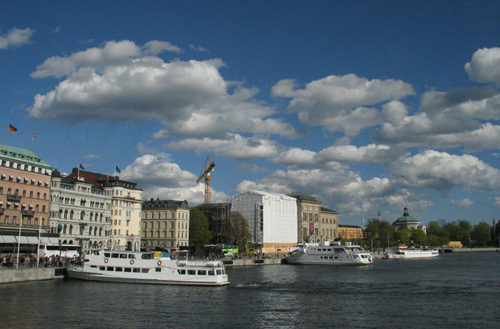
{"x": 157, "y": 269}
{"x": 24, "y": 193}
{"x": 166, "y": 215}
{"x": 13, "y": 220}
{"x": 180, "y": 235}
{"x": 22, "y": 166}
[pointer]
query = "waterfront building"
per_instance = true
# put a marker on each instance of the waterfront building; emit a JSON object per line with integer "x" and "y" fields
{"x": 80, "y": 211}
{"x": 271, "y": 217}
{"x": 126, "y": 205}
{"x": 165, "y": 224}
{"x": 408, "y": 222}
{"x": 217, "y": 215}
{"x": 24, "y": 195}
{"x": 350, "y": 232}
{"x": 314, "y": 223}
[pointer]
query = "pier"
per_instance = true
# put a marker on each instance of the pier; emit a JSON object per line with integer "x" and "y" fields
{"x": 11, "y": 275}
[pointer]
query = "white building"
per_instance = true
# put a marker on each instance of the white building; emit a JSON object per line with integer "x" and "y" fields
{"x": 271, "y": 217}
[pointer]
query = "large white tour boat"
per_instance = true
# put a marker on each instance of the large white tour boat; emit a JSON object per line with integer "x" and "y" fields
{"x": 403, "y": 252}
{"x": 325, "y": 254}
{"x": 147, "y": 267}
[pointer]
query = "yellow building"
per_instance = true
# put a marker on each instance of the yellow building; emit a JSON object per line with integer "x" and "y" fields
{"x": 350, "y": 232}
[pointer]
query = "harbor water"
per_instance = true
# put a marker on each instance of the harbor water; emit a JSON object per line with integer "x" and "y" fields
{"x": 456, "y": 290}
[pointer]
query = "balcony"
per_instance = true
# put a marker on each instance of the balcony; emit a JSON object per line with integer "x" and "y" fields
{"x": 13, "y": 198}
{"x": 27, "y": 212}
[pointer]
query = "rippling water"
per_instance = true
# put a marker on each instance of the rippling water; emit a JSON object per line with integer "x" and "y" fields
{"x": 457, "y": 290}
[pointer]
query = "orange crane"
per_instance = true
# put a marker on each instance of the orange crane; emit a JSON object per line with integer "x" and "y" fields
{"x": 207, "y": 169}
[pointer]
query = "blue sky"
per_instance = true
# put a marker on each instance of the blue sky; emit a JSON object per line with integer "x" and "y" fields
{"x": 366, "y": 105}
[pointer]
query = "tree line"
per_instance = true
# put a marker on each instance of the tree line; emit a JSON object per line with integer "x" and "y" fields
{"x": 382, "y": 234}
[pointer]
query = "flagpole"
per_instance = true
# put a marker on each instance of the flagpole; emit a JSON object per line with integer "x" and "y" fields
{"x": 19, "y": 240}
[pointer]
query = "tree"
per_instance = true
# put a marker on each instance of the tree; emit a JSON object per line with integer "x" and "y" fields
{"x": 239, "y": 234}
{"x": 481, "y": 234}
{"x": 403, "y": 236}
{"x": 199, "y": 234}
{"x": 418, "y": 237}
{"x": 373, "y": 231}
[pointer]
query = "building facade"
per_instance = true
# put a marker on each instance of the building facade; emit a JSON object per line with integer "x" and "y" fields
{"x": 165, "y": 224}
{"x": 328, "y": 225}
{"x": 271, "y": 218}
{"x": 80, "y": 211}
{"x": 24, "y": 193}
{"x": 126, "y": 206}
{"x": 350, "y": 232}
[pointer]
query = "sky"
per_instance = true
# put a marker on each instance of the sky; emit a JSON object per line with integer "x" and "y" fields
{"x": 366, "y": 105}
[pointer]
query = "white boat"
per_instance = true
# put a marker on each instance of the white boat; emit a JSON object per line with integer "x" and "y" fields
{"x": 325, "y": 254}
{"x": 403, "y": 252}
{"x": 147, "y": 267}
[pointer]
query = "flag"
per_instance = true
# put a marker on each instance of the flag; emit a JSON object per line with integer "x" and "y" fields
{"x": 33, "y": 138}
{"x": 81, "y": 167}
{"x": 12, "y": 129}
{"x": 117, "y": 169}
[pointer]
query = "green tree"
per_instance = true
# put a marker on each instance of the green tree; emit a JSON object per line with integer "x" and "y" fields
{"x": 418, "y": 237}
{"x": 403, "y": 236}
{"x": 434, "y": 229}
{"x": 481, "y": 234}
{"x": 199, "y": 234}
{"x": 372, "y": 230}
{"x": 386, "y": 234}
{"x": 239, "y": 234}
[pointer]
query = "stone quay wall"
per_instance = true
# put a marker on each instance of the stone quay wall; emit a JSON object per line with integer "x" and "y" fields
{"x": 30, "y": 274}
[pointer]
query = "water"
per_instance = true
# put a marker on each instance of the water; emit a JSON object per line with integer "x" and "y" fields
{"x": 457, "y": 290}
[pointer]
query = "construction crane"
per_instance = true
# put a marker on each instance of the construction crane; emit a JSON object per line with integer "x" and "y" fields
{"x": 208, "y": 167}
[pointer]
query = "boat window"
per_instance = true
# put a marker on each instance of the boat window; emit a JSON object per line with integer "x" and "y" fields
{"x": 119, "y": 269}
{"x": 123, "y": 255}
{"x": 109, "y": 269}
{"x": 86, "y": 260}
{"x": 145, "y": 270}
{"x": 106, "y": 254}
{"x": 131, "y": 256}
{"x": 191, "y": 272}
{"x": 137, "y": 270}
{"x": 158, "y": 269}
{"x": 101, "y": 268}
{"x": 202, "y": 272}
{"x": 219, "y": 272}
{"x": 114, "y": 255}
{"x": 93, "y": 266}
{"x": 147, "y": 256}
{"x": 181, "y": 272}
{"x": 211, "y": 272}
{"x": 128, "y": 269}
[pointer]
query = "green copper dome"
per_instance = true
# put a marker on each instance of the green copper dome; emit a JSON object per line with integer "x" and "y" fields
{"x": 406, "y": 218}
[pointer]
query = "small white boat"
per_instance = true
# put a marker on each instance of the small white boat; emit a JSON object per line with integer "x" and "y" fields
{"x": 325, "y": 254}
{"x": 403, "y": 252}
{"x": 147, "y": 267}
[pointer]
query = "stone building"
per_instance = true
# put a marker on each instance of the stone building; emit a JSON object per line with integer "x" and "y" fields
{"x": 80, "y": 211}
{"x": 126, "y": 203}
{"x": 271, "y": 217}
{"x": 165, "y": 224}
{"x": 408, "y": 222}
{"x": 24, "y": 194}
{"x": 315, "y": 223}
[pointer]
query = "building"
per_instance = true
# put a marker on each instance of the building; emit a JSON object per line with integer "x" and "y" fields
{"x": 408, "y": 222}
{"x": 328, "y": 225}
{"x": 165, "y": 224}
{"x": 350, "y": 232}
{"x": 217, "y": 214}
{"x": 24, "y": 195}
{"x": 314, "y": 223}
{"x": 126, "y": 206}
{"x": 271, "y": 217}
{"x": 80, "y": 211}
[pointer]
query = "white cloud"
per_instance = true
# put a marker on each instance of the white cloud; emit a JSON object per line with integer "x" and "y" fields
{"x": 16, "y": 38}
{"x": 339, "y": 102}
{"x": 364, "y": 154}
{"x": 158, "y": 177}
{"x": 236, "y": 147}
{"x": 92, "y": 156}
{"x": 118, "y": 82}
{"x": 464, "y": 203}
{"x": 442, "y": 171}
{"x": 485, "y": 66}
{"x": 155, "y": 47}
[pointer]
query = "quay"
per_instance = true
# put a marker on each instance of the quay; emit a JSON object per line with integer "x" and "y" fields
{"x": 23, "y": 274}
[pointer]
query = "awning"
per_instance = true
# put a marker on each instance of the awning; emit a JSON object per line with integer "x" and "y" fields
{"x": 8, "y": 239}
